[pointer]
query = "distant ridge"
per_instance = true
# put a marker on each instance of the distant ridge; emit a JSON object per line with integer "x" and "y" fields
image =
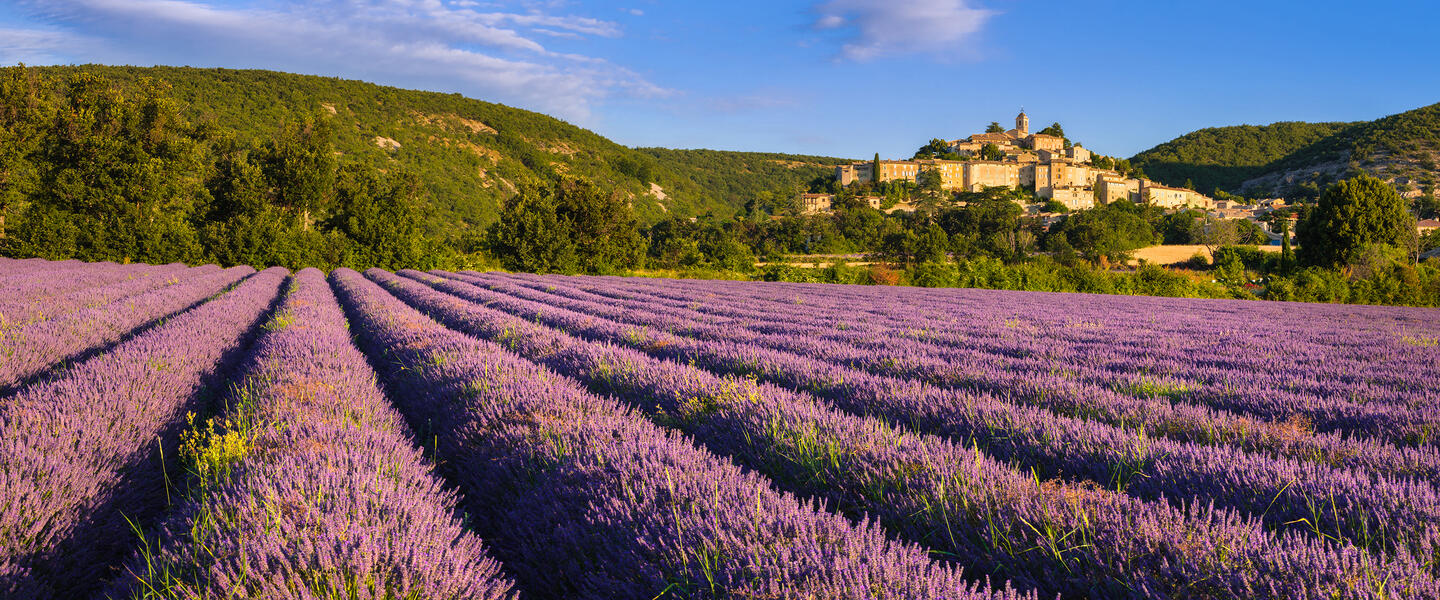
{"x": 1295, "y": 158}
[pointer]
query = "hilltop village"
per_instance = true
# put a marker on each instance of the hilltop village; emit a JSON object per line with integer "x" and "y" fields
{"x": 1043, "y": 164}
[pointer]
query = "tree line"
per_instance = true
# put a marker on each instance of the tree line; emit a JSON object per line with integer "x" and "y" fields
{"x": 98, "y": 172}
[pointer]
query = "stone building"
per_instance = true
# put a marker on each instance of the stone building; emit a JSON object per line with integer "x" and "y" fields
{"x": 980, "y": 174}
{"x": 890, "y": 170}
{"x": 1112, "y": 187}
{"x": 1040, "y": 141}
{"x": 952, "y": 172}
{"x": 1172, "y": 197}
{"x": 813, "y": 204}
{"x": 1037, "y": 162}
{"x": 1074, "y": 198}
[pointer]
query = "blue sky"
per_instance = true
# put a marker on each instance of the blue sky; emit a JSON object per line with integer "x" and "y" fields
{"x": 831, "y": 77}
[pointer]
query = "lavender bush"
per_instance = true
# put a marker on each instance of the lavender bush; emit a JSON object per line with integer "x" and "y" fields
{"x": 305, "y": 421}
{"x": 948, "y": 496}
{"x": 29, "y": 350}
{"x": 51, "y": 297}
{"x": 581, "y": 497}
{"x": 86, "y": 455}
{"x": 1388, "y": 514}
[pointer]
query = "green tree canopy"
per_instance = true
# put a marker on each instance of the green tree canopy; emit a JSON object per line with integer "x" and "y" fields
{"x": 1107, "y": 232}
{"x": 568, "y": 227}
{"x": 1054, "y": 129}
{"x": 532, "y": 236}
{"x": 933, "y": 149}
{"x": 114, "y": 178}
{"x": 1351, "y": 215}
{"x": 24, "y": 113}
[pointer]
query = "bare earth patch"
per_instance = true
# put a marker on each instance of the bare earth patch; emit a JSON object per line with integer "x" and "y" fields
{"x": 386, "y": 143}
{"x": 1169, "y": 255}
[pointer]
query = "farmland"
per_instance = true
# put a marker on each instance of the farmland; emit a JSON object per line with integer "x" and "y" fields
{"x": 197, "y": 432}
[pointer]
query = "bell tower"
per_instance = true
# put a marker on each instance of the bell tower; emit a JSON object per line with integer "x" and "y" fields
{"x": 1022, "y": 123}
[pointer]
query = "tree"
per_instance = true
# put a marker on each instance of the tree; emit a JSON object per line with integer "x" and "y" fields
{"x": 1105, "y": 233}
{"x": 1054, "y": 129}
{"x": 987, "y": 224}
{"x": 991, "y": 152}
{"x": 568, "y": 227}
{"x": 931, "y": 188}
{"x": 607, "y": 239}
{"x": 1213, "y": 232}
{"x": 1287, "y": 254}
{"x": 24, "y": 112}
{"x": 875, "y": 169}
{"x": 531, "y": 236}
{"x": 994, "y": 127}
{"x": 1427, "y": 206}
{"x": 380, "y": 213}
{"x": 934, "y": 148}
{"x": 115, "y": 173}
{"x": 300, "y": 163}
{"x": 239, "y": 225}
{"x": 1350, "y": 215}
{"x": 930, "y": 245}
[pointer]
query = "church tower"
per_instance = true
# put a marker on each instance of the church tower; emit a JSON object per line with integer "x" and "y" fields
{"x": 1022, "y": 123}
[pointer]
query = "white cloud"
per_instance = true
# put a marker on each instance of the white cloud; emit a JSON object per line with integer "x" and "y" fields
{"x": 37, "y": 46}
{"x": 481, "y": 49}
{"x": 880, "y": 28}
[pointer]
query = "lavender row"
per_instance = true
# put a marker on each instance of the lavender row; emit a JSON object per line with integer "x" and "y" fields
{"x": 581, "y": 497}
{"x": 1129, "y": 334}
{"x": 44, "y": 287}
{"x": 92, "y": 294}
{"x": 1050, "y": 537}
{"x": 30, "y": 350}
{"x": 1156, "y": 417}
{"x": 1395, "y": 515}
{"x": 85, "y": 455}
{"x": 1329, "y": 401}
{"x": 21, "y": 283}
{"x": 310, "y": 435}
{"x": 1373, "y": 353}
{"x": 24, "y": 266}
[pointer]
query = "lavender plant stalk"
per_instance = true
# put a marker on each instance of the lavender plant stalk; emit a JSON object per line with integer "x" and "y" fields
{"x": 27, "y": 351}
{"x": 582, "y": 498}
{"x": 1392, "y": 515}
{"x": 1038, "y": 386}
{"x": 305, "y": 421}
{"x": 1051, "y": 537}
{"x": 92, "y": 292}
{"x": 1361, "y": 372}
{"x": 86, "y": 455}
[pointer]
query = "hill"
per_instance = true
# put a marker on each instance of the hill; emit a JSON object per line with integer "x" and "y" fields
{"x": 468, "y": 154}
{"x": 1298, "y": 158}
{"x": 1226, "y": 157}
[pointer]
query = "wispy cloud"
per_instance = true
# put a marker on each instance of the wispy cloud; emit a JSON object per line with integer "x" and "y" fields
{"x": 489, "y": 50}
{"x": 37, "y": 46}
{"x": 879, "y": 28}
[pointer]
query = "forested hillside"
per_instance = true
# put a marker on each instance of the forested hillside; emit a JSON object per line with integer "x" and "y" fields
{"x": 467, "y": 155}
{"x": 1300, "y": 159}
{"x": 1225, "y": 157}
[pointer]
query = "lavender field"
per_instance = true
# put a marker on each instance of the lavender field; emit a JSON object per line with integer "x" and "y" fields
{"x": 197, "y": 432}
